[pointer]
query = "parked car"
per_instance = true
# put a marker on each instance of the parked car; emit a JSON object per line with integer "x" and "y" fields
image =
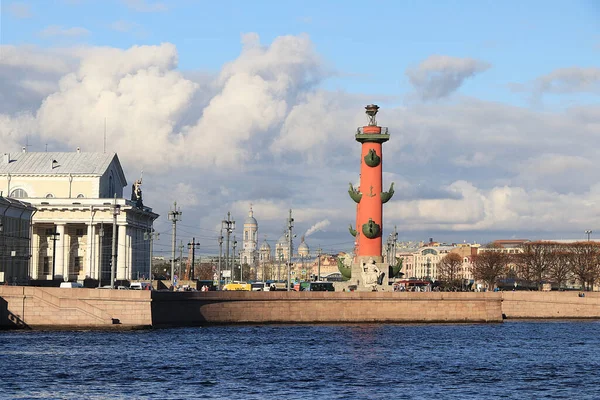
{"x": 260, "y": 287}
{"x": 235, "y": 285}
{"x": 70, "y": 285}
{"x": 140, "y": 286}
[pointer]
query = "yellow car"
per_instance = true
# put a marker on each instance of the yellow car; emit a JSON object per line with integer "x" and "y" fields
{"x": 238, "y": 286}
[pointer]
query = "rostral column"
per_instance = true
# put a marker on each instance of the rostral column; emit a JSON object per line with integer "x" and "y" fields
{"x": 369, "y": 196}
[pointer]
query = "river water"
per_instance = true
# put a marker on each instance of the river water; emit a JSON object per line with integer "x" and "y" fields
{"x": 524, "y": 360}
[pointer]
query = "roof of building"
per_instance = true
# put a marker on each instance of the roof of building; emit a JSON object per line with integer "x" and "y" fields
{"x": 12, "y": 202}
{"x": 57, "y": 163}
{"x": 265, "y": 246}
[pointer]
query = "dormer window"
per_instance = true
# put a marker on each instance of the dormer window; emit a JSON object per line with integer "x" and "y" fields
{"x": 18, "y": 194}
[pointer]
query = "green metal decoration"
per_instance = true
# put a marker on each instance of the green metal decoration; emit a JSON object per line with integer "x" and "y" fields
{"x": 354, "y": 194}
{"x": 344, "y": 270}
{"x": 371, "y": 229}
{"x": 372, "y": 159}
{"x": 352, "y": 231}
{"x": 386, "y": 196}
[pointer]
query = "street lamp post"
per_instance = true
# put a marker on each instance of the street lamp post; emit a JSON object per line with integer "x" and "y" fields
{"x": 54, "y": 239}
{"x": 100, "y": 253}
{"x": 220, "y": 255}
{"x": 151, "y": 236}
{"x": 113, "y": 262}
{"x": 233, "y": 260}
{"x": 588, "y": 233}
{"x": 229, "y": 226}
{"x": 319, "y": 250}
{"x": 174, "y": 215}
{"x": 193, "y": 247}
{"x": 289, "y": 266}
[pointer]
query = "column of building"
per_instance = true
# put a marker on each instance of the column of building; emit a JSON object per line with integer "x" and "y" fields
{"x": 61, "y": 244}
{"x": 121, "y": 251}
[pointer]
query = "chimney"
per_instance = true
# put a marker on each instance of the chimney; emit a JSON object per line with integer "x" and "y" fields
{"x": 6, "y": 158}
{"x": 78, "y": 150}
{"x": 24, "y": 149}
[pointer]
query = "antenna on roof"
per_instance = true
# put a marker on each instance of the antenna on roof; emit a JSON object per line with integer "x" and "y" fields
{"x": 104, "y": 151}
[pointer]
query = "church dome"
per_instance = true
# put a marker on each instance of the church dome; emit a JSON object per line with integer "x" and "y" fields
{"x": 250, "y": 220}
{"x": 303, "y": 249}
{"x": 265, "y": 246}
{"x": 282, "y": 241}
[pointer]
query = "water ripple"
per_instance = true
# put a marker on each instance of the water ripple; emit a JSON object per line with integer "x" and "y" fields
{"x": 512, "y": 360}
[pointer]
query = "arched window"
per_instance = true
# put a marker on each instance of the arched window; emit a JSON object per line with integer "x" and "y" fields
{"x": 246, "y": 235}
{"x": 49, "y": 196}
{"x": 18, "y": 194}
{"x": 80, "y": 196}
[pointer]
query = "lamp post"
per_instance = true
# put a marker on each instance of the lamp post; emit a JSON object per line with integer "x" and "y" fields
{"x": 55, "y": 236}
{"x": 100, "y": 253}
{"x": 319, "y": 250}
{"x": 289, "y": 266}
{"x": 233, "y": 260}
{"x": 588, "y": 233}
{"x": 113, "y": 263}
{"x": 174, "y": 215}
{"x": 229, "y": 226}
{"x": 151, "y": 236}
{"x": 220, "y": 255}
{"x": 193, "y": 247}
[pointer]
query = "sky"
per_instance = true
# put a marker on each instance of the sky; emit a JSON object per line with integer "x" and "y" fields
{"x": 492, "y": 107}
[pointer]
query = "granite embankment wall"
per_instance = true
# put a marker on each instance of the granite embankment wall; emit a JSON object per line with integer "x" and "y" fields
{"x": 522, "y": 304}
{"x": 24, "y": 306}
{"x": 35, "y": 307}
{"x": 323, "y": 307}
{"x": 54, "y": 307}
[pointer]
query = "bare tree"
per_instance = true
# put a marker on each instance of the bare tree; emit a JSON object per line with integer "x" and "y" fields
{"x": 583, "y": 259}
{"x": 449, "y": 269}
{"x": 490, "y": 265}
{"x": 535, "y": 261}
{"x": 560, "y": 268}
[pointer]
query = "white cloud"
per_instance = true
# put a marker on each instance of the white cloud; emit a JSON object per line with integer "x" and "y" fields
{"x": 438, "y": 76}
{"x": 569, "y": 80}
{"x": 56, "y": 30}
{"x": 263, "y": 131}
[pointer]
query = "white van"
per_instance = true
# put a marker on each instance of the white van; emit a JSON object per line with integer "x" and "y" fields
{"x": 70, "y": 285}
{"x": 140, "y": 286}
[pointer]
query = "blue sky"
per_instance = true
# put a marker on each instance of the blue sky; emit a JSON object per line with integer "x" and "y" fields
{"x": 368, "y": 45}
{"x": 488, "y": 103}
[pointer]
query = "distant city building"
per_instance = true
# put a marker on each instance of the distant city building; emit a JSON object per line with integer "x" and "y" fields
{"x": 75, "y": 195}
{"x": 15, "y": 240}
{"x": 249, "y": 253}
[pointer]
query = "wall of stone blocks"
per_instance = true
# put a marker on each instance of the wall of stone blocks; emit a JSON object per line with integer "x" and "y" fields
{"x": 525, "y": 304}
{"x": 24, "y": 306}
{"x": 196, "y": 308}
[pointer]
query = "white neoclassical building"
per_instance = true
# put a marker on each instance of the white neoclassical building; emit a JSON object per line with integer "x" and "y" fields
{"x": 77, "y": 196}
